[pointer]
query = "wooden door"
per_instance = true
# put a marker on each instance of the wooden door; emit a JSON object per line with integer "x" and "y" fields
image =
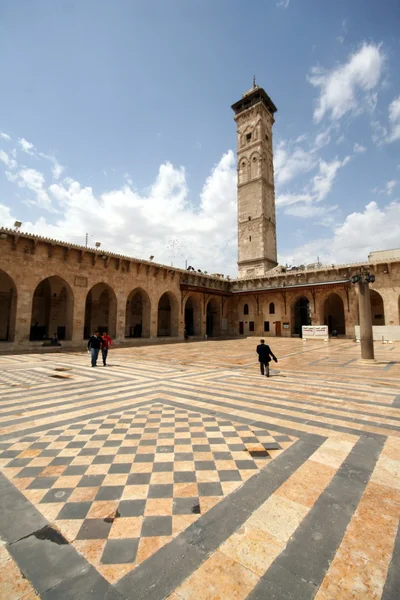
{"x": 241, "y": 328}
{"x": 278, "y": 330}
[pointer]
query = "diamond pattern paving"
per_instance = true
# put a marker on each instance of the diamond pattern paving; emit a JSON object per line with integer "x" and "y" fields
{"x": 121, "y": 486}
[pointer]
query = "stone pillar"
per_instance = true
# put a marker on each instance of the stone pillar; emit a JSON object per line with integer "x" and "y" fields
{"x": 23, "y": 315}
{"x": 78, "y": 317}
{"x": 121, "y": 318}
{"x": 154, "y": 319}
{"x": 366, "y": 336}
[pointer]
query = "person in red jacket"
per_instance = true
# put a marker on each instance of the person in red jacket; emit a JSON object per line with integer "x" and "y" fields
{"x": 107, "y": 343}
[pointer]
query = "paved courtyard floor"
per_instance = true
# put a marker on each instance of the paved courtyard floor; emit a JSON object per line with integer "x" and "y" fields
{"x": 179, "y": 472}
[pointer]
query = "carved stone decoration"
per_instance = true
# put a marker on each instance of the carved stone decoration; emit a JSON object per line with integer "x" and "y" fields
{"x": 81, "y": 281}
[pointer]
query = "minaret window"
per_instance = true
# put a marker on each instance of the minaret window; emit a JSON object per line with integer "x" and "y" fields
{"x": 248, "y": 137}
{"x": 249, "y": 218}
{"x": 272, "y": 308}
{"x": 249, "y": 238}
{"x": 246, "y": 309}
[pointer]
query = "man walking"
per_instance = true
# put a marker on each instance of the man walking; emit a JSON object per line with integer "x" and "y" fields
{"x": 264, "y": 356}
{"x": 94, "y": 344}
{"x": 107, "y": 343}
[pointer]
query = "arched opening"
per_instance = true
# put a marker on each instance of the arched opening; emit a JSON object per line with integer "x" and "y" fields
{"x": 377, "y": 308}
{"x": 246, "y": 309}
{"x": 8, "y": 306}
{"x": 334, "y": 314}
{"x": 271, "y": 308}
{"x": 213, "y": 319}
{"x": 52, "y": 307}
{"x": 301, "y": 315}
{"x": 100, "y": 310}
{"x": 137, "y": 320}
{"x": 168, "y": 322}
{"x": 192, "y": 317}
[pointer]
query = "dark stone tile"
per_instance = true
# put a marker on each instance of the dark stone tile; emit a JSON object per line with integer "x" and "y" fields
{"x": 228, "y": 475}
{"x": 138, "y": 479}
{"x": 148, "y": 443}
{"x": 52, "y": 452}
{"x": 222, "y": 455}
{"x": 19, "y": 462}
{"x": 184, "y": 477}
{"x": 42, "y": 483}
{"x": 39, "y": 445}
{"x": 166, "y": 436}
{"x": 121, "y": 430}
{"x": 163, "y": 467}
{"x": 184, "y": 456}
{"x": 105, "y": 459}
{"x": 94, "y": 529}
{"x": 110, "y": 492}
{"x": 120, "y": 468}
{"x": 75, "y": 470}
{"x": 57, "y": 495}
{"x": 216, "y": 440}
{"x": 230, "y": 434}
{"x": 165, "y": 449}
{"x": 133, "y": 436}
{"x": 236, "y": 447}
{"x": 201, "y": 448}
{"x": 87, "y": 584}
{"x": 61, "y": 460}
{"x": 127, "y": 450}
{"x": 120, "y": 551}
{"x": 186, "y": 506}
{"x": 91, "y": 481}
{"x": 74, "y": 510}
{"x": 210, "y": 489}
{"x": 112, "y": 443}
{"x": 245, "y": 464}
{"x": 144, "y": 458}
{"x": 88, "y": 452}
{"x": 161, "y": 490}
{"x": 156, "y": 526}
{"x": 99, "y": 437}
{"x": 131, "y": 508}
{"x": 205, "y": 465}
{"x": 30, "y": 472}
{"x": 249, "y": 440}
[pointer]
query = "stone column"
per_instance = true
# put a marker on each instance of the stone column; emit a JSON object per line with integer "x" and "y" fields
{"x": 23, "y": 315}
{"x": 366, "y": 336}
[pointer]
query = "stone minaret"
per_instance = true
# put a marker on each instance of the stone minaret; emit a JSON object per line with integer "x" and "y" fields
{"x": 254, "y": 116}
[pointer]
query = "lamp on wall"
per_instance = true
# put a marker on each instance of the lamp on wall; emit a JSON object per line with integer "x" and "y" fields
{"x": 17, "y": 224}
{"x": 98, "y": 244}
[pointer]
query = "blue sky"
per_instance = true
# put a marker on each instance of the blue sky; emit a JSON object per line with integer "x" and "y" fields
{"x": 116, "y": 121}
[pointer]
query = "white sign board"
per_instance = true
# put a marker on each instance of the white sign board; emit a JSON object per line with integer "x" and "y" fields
{"x": 319, "y": 332}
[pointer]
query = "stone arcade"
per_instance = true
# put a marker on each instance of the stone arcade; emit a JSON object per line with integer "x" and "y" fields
{"x": 48, "y": 287}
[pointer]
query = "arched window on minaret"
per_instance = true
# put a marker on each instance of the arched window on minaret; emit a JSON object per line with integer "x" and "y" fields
{"x": 271, "y": 308}
{"x": 246, "y": 309}
{"x": 243, "y": 174}
{"x": 254, "y": 165}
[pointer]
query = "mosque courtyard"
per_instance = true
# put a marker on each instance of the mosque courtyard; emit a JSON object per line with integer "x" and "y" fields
{"x": 179, "y": 472}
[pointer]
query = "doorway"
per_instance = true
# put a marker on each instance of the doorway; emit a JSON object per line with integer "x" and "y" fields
{"x": 278, "y": 329}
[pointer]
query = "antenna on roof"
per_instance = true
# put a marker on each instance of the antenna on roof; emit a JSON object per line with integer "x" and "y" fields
{"x": 254, "y": 81}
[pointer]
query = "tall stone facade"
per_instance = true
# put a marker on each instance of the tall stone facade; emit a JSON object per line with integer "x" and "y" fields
{"x": 254, "y": 116}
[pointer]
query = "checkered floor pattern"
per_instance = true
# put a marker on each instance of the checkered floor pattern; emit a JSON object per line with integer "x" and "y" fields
{"x": 121, "y": 486}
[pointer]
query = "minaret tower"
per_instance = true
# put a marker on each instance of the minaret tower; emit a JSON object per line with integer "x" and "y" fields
{"x": 254, "y": 116}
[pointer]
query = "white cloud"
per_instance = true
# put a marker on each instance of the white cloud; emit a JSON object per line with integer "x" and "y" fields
{"x": 346, "y": 87}
{"x": 33, "y": 180}
{"x": 141, "y": 225}
{"x": 283, "y": 3}
{"x": 322, "y": 182}
{"x": 323, "y": 138}
{"x": 26, "y": 146}
{"x": 388, "y": 189}
{"x": 394, "y": 118}
{"x": 359, "y": 149}
{"x": 307, "y": 211}
{"x": 291, "y": 160}
{"x": 9, "y": 162}
{"x": 5, "y": 136}
{"x": 360, "y": 233}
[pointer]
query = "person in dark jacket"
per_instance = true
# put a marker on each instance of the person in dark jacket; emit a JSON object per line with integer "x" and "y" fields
{"x": 94, "y": 344}
{"x": 264, "y": 356}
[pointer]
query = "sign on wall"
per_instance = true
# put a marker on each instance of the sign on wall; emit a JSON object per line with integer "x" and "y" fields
{"x": 315, "y": 332}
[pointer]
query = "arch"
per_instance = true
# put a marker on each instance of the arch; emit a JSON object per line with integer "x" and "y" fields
{"x": 271, "y": 308}
{"x": 100, "y": 310}
{"x": 137, "y": 314}
{"x": 246, "y": 309}
{"x": 192, "y": 316}
{"x": 377, "y": 308}
{"x": 52, "y": 308}
{"x": 213, "y": 318}
{"x": 333, "y": 314}
{"x": 8, "y": 307}
{"x": 301, "y": 314}
{"x": 168, "y": 316}
{"x": 243, "y": 170}
{"x": 254, "y": 165}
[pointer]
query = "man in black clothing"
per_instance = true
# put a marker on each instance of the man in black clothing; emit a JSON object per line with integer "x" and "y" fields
{"x": 264, "y": 356}
{"x": 94, "y": 344}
